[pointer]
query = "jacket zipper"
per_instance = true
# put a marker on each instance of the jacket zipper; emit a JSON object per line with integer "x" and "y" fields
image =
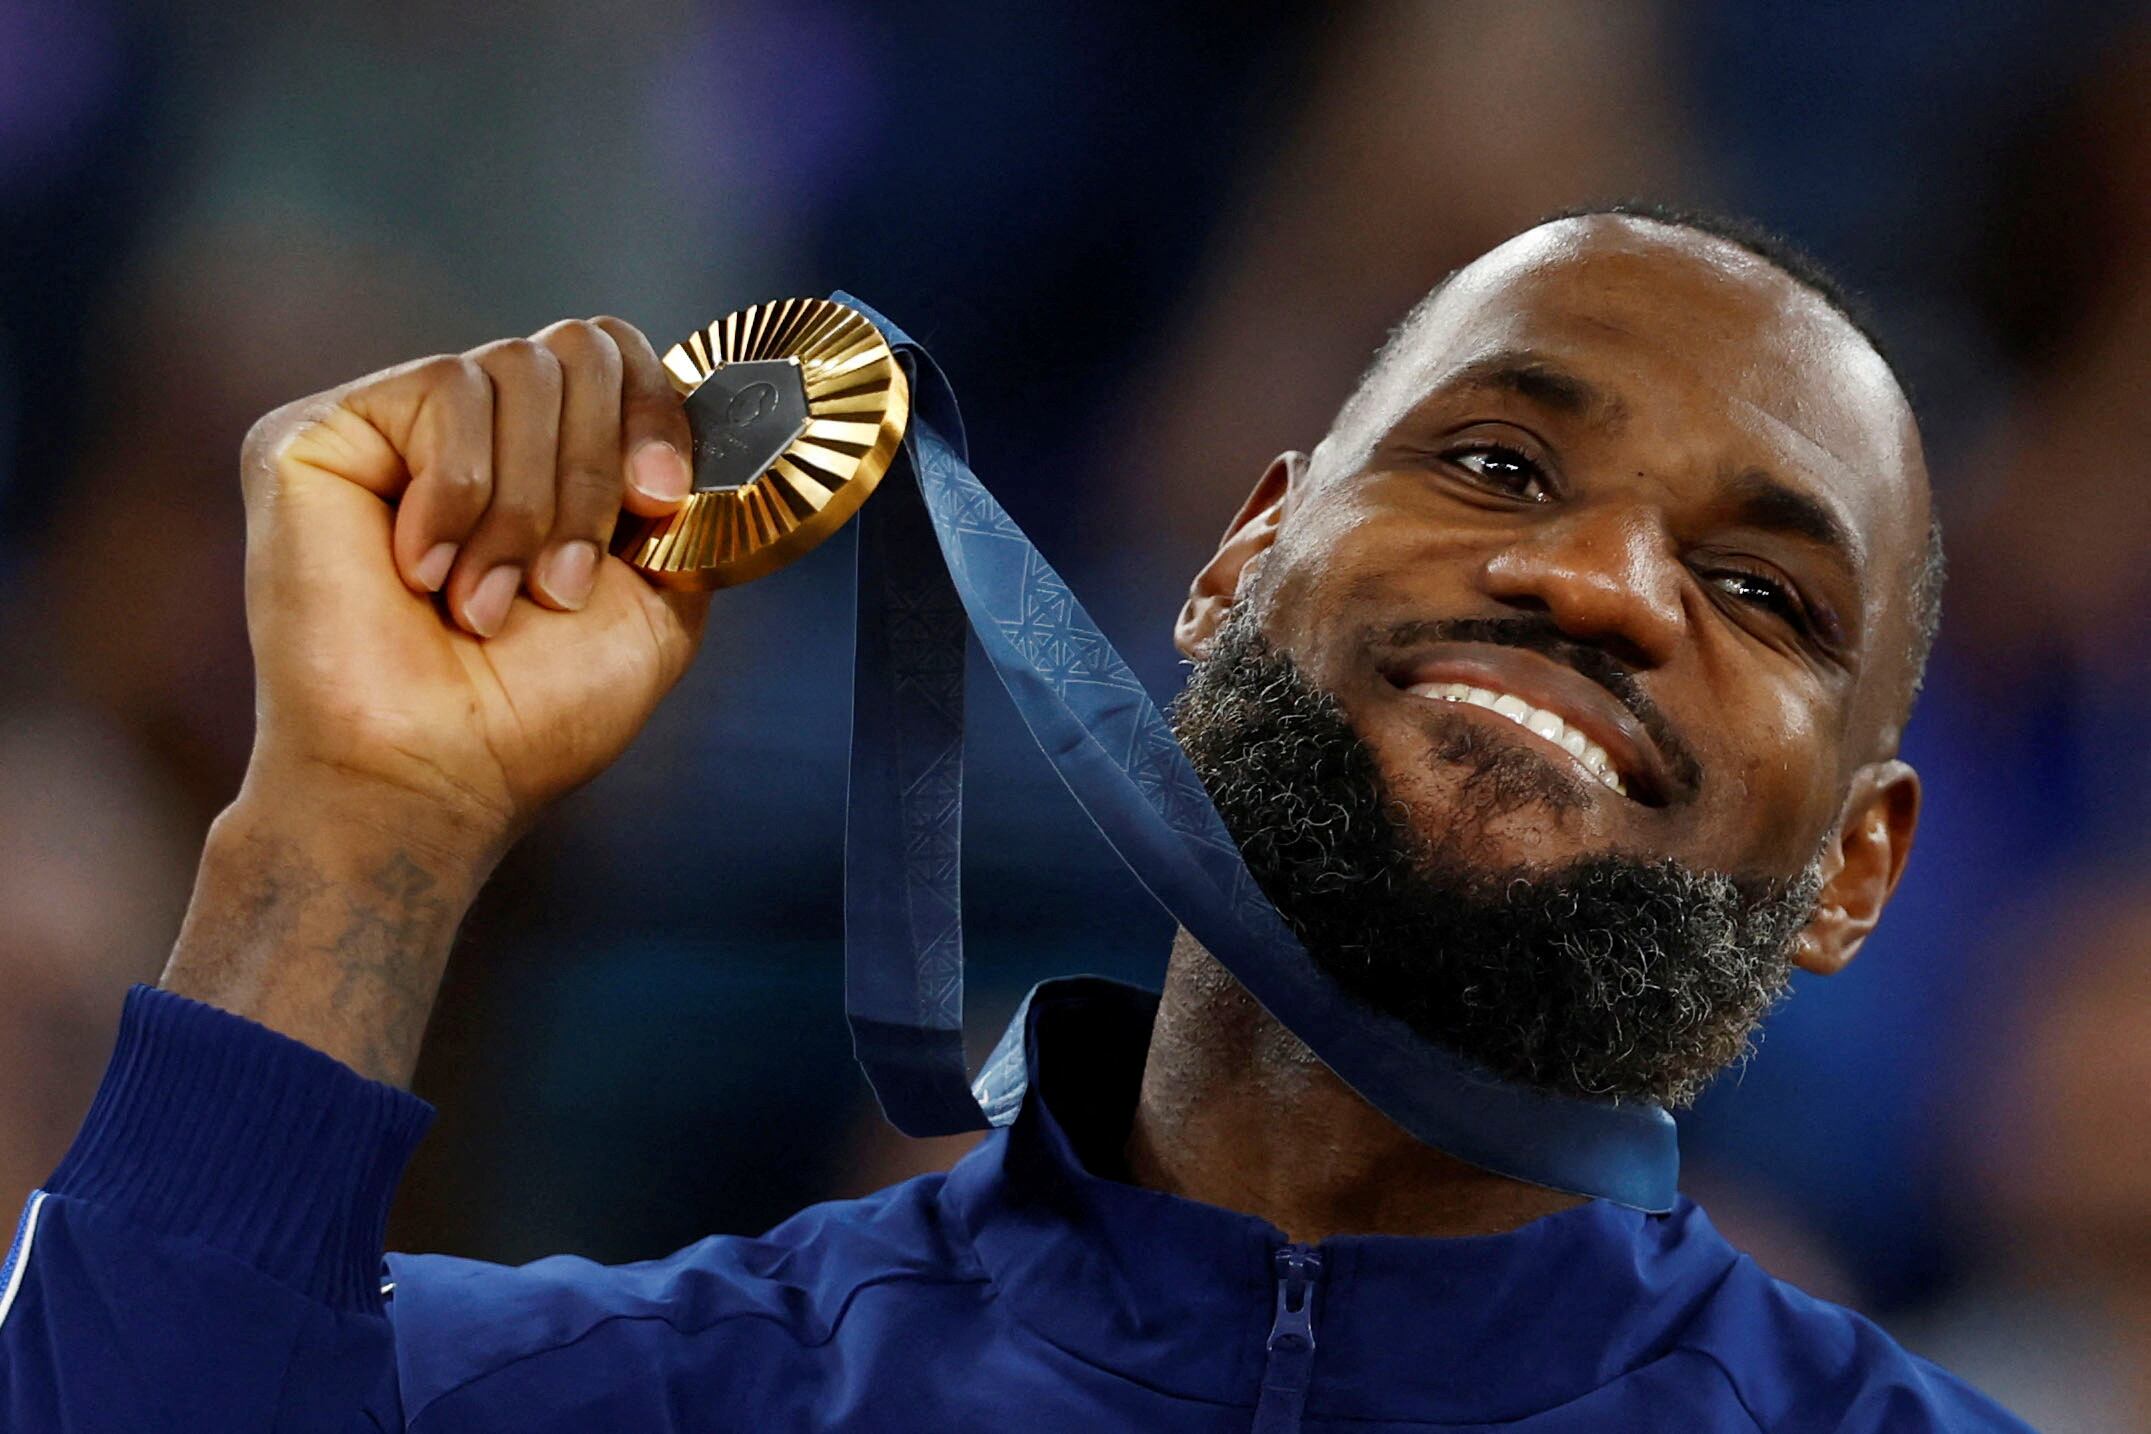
{"x": 1291, "y": 1344}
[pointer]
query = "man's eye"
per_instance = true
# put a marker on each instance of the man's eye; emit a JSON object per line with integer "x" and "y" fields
{"x": 1503, "y": 469}
{"x": 1766, "y": 593}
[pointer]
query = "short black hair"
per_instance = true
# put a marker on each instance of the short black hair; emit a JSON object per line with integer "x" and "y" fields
{"x": 1804, "y": 269}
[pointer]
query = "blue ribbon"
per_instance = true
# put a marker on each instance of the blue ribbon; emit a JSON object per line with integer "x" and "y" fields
{"x": 938, "y": 561}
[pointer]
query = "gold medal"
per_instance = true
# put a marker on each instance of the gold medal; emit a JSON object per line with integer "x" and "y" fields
{"x": 797, "y": 408}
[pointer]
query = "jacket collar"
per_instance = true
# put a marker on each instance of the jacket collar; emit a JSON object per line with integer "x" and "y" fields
{"x": 1180, "y": 1295}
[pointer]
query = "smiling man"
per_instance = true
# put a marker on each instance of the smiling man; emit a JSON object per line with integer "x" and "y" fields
{"x": 1554, "y": 699}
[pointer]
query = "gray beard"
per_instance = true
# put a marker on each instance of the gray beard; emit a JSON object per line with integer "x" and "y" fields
{"x": 1608, "y": 977}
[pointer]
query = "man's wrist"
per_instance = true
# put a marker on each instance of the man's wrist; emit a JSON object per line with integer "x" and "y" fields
{"x": 454, "y": 829}
{"x": 330, "y": 922}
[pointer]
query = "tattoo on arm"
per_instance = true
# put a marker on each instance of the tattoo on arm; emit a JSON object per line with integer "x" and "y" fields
{"x": 343, "y": 952}
{"x": 383, "y": 987}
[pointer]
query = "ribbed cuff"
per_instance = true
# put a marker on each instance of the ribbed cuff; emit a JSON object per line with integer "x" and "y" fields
{"x": 212, "y": 1127}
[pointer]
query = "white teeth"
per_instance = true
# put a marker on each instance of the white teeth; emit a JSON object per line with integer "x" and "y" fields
{"x": 1546, "y": 724}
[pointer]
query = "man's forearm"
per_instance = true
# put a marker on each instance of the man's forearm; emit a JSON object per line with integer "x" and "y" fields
{"x": 331, "y": 926}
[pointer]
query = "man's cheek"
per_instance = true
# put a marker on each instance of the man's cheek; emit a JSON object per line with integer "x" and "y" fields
{"x": 1779, "y": 769}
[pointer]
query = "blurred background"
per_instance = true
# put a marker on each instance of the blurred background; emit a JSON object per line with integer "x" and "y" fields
{"x": 1152, "y": 244}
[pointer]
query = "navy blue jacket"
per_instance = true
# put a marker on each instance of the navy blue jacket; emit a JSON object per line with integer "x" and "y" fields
{"x": 208, "y": 1258}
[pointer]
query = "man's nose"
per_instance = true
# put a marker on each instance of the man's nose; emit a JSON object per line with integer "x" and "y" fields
{"x": 1604, "y": 575}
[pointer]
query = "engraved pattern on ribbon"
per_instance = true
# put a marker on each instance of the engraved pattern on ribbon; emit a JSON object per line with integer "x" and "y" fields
{"x": 926, "y": 633}
{"x": 1045, "y": 622}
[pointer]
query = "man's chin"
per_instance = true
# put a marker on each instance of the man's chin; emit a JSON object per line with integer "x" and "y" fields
{"x": 1600, "y": 976}
{"x": 1504, "y": 811}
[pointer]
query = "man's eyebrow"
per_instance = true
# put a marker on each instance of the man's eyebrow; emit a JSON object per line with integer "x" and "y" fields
{"x": 1760, "y": 500}
{"x": 1533, "y": 377}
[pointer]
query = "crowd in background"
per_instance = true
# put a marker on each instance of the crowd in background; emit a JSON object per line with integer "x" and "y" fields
{"x": 1152, "y": 245}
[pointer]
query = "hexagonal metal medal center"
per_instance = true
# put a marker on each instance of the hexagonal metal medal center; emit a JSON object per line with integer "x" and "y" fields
{"x": 743, "y": 416}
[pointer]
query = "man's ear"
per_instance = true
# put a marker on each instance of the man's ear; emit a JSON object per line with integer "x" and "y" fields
{"x": 1861, "y": 867}
{"x": 1252, "y": 531}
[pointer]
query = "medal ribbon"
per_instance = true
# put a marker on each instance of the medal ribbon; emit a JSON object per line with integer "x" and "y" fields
{"x": 939, "y": 561}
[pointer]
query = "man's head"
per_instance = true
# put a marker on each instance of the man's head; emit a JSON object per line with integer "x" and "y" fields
{"x": 1556, "y": 696}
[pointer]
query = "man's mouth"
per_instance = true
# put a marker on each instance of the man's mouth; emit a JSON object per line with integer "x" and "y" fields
{"x": 1536, "y": 720}
{"x": 1565, "y": 716}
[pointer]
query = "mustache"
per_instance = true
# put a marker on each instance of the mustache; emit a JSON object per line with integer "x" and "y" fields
{"x": 1535, "y": 633}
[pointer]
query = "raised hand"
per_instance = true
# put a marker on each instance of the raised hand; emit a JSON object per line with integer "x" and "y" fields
{"x": 494, "y": 478}
{"x": 442, "y": 647}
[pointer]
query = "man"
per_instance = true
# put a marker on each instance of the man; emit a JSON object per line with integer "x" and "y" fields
{"x": 1554, "y": 699}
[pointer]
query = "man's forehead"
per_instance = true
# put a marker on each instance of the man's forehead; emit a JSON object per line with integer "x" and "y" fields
{"x": 1656, "y": 315}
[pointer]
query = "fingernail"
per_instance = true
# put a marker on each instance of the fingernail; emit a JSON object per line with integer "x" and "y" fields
{"x": 567, "y": 573}
{"x": 488, "y": 607}
{"x": 658, "y": 471}
{"x": 432, "y": 569}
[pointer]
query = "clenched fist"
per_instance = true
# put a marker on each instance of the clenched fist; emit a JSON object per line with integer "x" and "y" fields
{"x": 442, "y": 646}
{"x": 436, "y": 624}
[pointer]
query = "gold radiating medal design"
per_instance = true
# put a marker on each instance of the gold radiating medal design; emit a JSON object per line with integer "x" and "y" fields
{"x": 797, "y": 408}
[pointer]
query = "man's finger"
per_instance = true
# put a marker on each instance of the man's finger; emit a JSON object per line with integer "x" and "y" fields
{"x": 442, "y": 409}
{"x": 526, "y": 430}
{"x": 653, "y": 425}
{"x": 588, "y": 479}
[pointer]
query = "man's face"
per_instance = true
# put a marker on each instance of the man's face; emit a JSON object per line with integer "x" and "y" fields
{"x": 1620, "y": 448}
{"x": 1612, "y": 563}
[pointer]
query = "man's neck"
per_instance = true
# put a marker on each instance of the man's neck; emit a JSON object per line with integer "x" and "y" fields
{"x": 1236, "y": 1111}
